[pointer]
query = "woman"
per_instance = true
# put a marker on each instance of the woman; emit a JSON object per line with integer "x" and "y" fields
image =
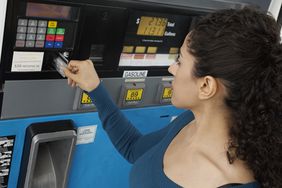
{"x": 229, "y": 74}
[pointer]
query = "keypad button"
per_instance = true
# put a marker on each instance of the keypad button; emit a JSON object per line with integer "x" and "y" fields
{"x": 59, "y": 38}
{"x": 60, "y": 31}
{"x": 39, "y": 44}
{"x": 29, "y": 44}
{"x": 58, "y": 44}
{"x": 21, "y": 29}
{"x": 30, "y": 37}
{"x": 49, "y": 44}
{"x": 40, "y": 37}
{"x": 52, "y": 24}
{"x": 20, "y": 43}
{"x": 41, "y": 30}
{"x": 50, "y": 37}
{"x": 21, "y": 36}
{"x": 22, "y": 22}
{"x": 42, "y": 23}
{"x": 31, "y": 30}
{"x": 51, "y": 31}
{"x": 32, "y": 23}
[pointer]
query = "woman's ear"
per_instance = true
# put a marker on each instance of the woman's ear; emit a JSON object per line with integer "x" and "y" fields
{"x": 207, "y": 87}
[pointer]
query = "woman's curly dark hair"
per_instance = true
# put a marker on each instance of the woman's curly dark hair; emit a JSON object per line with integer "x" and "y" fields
{"x": 242, "y": 48}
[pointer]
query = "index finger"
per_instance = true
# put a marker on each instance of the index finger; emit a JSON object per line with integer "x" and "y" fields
{"x": 74, "y": 63}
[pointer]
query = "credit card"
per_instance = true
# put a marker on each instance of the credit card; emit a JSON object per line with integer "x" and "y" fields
{"x": 60, "y": 62}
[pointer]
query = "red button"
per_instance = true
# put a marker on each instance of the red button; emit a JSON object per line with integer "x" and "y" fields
{"x": 50, "y": 37}
{"x": 59, "y": 38}
{"x": 139, "y": 56}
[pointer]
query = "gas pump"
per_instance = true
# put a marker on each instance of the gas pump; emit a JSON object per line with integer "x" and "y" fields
{"x": 50, "y": 134}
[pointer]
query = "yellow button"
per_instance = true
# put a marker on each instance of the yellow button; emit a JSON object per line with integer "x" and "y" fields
{"x": 152, "y": 50}
{"x": 173, "y": 50}
{"x": 52, "y": 24}
{"x": 167, "y": 93}
{"x": 85, "y": 99}
{"x": 134, "y": 95}
{"x": 140, "y": 49}
{"x": 127, "y": 49}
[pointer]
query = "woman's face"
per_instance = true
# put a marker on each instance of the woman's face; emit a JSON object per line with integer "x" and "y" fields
{"x": 184, "y": 85}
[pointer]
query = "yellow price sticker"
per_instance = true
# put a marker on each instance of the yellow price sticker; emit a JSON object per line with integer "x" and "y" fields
{"x": 167, "y": 92}
{"x": 85, "y": 99}
{"x": 134, "y": 95}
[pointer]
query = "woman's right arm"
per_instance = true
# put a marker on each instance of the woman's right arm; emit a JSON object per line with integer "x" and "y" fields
{"x": 122, "y": 133}
{"x": 125, "y": 137}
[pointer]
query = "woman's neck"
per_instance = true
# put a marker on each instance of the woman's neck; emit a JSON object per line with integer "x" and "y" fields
{"x": 211, "y": 125}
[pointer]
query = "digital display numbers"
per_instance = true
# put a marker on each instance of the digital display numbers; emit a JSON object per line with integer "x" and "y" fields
{"x": 152, "y": 26}
{"x": 51, "y": 11}
{"x": 134, "y": 95}
{"x": 167, "y": 93}
{"x": 85, "y": 99}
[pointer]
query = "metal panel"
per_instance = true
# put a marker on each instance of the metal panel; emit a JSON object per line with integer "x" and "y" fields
{"x": 36, "y": 97}
{"x": 199, "y": 4}
{"x": 26, "y": 98}
{"x": 274, "y": 8}
{"x": 213, "y": 4}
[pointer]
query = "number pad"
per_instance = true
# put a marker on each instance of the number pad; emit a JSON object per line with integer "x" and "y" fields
{"x": 39, "y": 34}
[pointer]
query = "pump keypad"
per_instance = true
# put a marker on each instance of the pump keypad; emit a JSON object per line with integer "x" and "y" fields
{"x": 33, "y": 33}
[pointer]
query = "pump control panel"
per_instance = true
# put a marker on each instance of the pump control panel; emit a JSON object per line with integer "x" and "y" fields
{"x": 46, "y": 26}
{"x": 131, "y": 43}
{"x": 33, "y": 33}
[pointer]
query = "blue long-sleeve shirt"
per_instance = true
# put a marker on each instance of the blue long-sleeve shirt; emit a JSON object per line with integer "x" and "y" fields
{"x": 145, "y": 152}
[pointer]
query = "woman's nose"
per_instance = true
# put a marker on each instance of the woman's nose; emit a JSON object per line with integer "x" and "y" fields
{"x": 172, "y": 68}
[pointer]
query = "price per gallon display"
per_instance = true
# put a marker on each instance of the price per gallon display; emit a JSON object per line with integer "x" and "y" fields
{"x": 134, "y": 95}
{"x": 167, "y": 93}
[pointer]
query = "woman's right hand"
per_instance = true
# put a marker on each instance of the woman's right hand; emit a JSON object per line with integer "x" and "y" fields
{"x": 82, "y": 74}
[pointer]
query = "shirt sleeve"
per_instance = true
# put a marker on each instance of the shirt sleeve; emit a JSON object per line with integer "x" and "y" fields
{"x": 130, "y": 143}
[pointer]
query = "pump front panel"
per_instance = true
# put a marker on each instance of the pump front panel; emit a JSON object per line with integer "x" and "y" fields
{"x": 131, "y": 46}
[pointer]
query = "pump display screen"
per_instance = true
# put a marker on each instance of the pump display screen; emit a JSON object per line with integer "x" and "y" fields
{"x": 51, "y": 11}
{"x": 153, "y": 39}
{"x": 152, "y": 26}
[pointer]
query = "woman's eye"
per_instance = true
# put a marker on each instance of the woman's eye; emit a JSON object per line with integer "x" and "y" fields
{"x": 178, "y": 61}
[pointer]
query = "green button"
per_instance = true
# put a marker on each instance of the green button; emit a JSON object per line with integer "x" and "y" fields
{"x": 51, "y": 31}
{"x": 60, "y": 31}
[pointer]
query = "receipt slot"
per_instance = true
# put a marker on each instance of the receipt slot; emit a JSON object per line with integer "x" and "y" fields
{"x": 47, "y": 154}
